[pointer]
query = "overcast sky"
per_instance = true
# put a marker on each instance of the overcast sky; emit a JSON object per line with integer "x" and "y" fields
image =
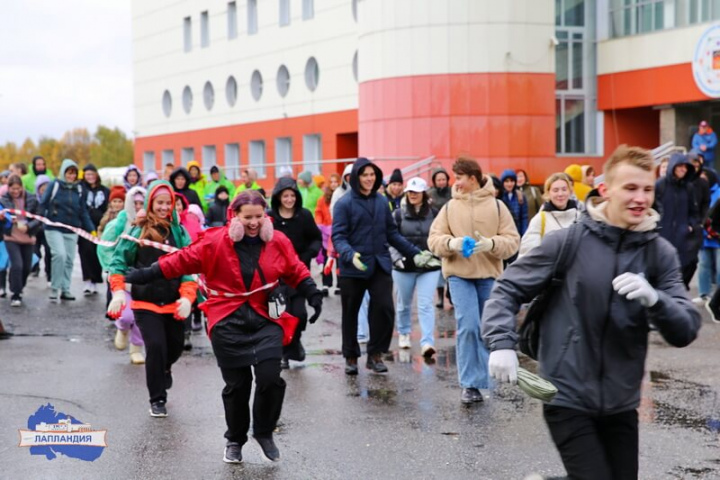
{"x": 64, "y": 64}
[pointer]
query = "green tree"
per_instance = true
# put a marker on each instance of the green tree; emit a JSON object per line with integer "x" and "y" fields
{"x": 111, "y": 148}
{"x": 75, "y": 145}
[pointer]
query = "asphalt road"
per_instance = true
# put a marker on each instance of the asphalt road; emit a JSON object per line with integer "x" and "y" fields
{"x": 406, "y": 424}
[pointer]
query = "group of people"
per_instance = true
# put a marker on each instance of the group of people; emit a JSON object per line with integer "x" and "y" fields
{"x": 485, "y": 244}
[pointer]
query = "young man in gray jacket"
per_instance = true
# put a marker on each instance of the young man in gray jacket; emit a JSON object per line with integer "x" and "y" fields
{"x": 594, "y": 333}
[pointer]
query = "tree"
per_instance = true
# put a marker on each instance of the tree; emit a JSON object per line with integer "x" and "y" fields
{"x": 76, "y": 146}
{"x": 111, "y": 148}
{"x": 50, "y": 150}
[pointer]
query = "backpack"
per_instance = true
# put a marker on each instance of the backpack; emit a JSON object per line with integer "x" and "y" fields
{"x": 529, "y": 331}
{"x": 56, "y": 187}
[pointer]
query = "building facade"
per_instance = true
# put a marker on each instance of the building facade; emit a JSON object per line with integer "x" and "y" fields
{"x": 533, "y": 84}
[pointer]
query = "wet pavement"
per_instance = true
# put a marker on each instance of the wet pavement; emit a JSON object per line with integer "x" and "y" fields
{"x": 407, "y": 424}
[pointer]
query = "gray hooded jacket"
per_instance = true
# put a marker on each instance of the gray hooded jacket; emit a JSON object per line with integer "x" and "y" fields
{"x": 593, "y": 342}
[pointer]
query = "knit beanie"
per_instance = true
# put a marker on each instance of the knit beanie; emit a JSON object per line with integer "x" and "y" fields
{"x": 396, "y": 176}
{"x": 306, "y": 177}
{"x": 90, "y": 167}
{"x": 118, "y": 191}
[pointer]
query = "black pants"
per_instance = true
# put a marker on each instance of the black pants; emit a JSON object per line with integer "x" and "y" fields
{"x": 267, "y": 405}
{"x": 381, "y": 312}
{"x": 91, "y": 269}
{"x": 327, "y": 280}
{"x": 595, "y": 447}
{"x": 163, "y": 337}
{"x": 297, "y": 308}
{"x": 20, "y": 265}
{"x": 41, "y": 243}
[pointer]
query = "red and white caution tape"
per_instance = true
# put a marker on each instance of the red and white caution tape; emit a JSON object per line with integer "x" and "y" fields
{"x": 141, "y": 241}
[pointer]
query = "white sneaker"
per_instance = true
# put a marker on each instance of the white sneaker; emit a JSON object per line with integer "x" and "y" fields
{"x": 55, "y": 296}
{"x": 404, "y": 340}
{"x": 362, "y": 340}
{"x": 427, "y": 350}
{"x": 87, "y": 290}
{"x": 121, "y": 339}
{"x": 701, "y": 300}
{"x": 93, "y": 288}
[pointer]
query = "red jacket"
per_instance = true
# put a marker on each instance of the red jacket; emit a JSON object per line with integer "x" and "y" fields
{"x": 213, "y": 255}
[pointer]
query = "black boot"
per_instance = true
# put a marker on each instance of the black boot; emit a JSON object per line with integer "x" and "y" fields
{"x": 351, "y": 367}
{"x": 441, "y": 297}
{"x": 375, "y": 363}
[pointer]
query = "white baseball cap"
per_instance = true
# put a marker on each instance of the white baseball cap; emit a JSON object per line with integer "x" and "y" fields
{"x": 416, "y": 184}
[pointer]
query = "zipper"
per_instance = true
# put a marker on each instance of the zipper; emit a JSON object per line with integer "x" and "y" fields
{"x": 605, "y": 326}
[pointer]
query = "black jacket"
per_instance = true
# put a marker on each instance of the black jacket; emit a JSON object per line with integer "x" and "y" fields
{"x": 217, "y": 213}
{"x": 97, "y": 200}
{"x": 593, "y": 341}
{"x": 188, "y": 192}
{"x": 31, "y": 206}
{"x": 300, "y": 228}
{"x": 415, "y": 227}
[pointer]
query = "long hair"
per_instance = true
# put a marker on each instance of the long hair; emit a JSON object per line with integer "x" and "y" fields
{"x": 153, "y": 227}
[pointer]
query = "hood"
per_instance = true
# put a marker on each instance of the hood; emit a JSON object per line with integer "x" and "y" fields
{"x": 180, "y": 171}
{"x": 67, "y": 163}
{"x": 129, "y": 169}
{"x": 357, "y": 167}
{"x": 197, "y": 211}
{"x": 40, "y": 181}
{"x": 584, "y": 170}
{"x": 508, "y": 173}
{"x": 130, "y": 202}
{"x": 219, "y": 190}
{"x": 150, "y": 192}
{"x": 195, "y": 163}
{"x": 435, "y": 172}
{"x": 347, "y": 171}
{"x": 283, "y": 184}
{"x": 596, "y": 209}
{"x": 34, "y": 163}
{"x": 575, "y": 172}
{"x": 680, "y": 159}
{"x": 221, "y": 174}
{"x": 487, "y": 190}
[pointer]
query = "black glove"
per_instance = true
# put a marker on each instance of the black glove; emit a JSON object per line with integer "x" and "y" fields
{"x": 141, "y": 276}
{"x": 315, "y": 301}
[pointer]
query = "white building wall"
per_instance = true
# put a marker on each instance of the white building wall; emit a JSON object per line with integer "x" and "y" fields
{"x": 160, "y": 62}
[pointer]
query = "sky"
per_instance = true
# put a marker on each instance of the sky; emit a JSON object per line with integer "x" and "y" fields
{"x": 64, "y": 64}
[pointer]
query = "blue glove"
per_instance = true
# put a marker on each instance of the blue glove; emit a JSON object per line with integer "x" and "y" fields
{"x": 468, "y": 247}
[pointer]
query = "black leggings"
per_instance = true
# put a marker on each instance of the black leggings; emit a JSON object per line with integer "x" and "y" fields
{"x": 20, "y": 265}
{"x": 91, "y": 269}
{"x": 164, "y": 338}
{"x": 595, "y": 447}
{"x": 267, "y": 405}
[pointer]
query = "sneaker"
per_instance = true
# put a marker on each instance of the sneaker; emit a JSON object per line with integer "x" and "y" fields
{"x": 351, "y": 367}
{"x": 54, "y": 296}
{"x": 404, "y": 340}
{"x": 268, "y": 447}
{"x": 469, "y": 396}
{"x": 157, "y": 409}
{"x": 714, "y": 311}
{"x": 375, "y": 363}
{"x": 427, "y": 350}
{"x": 16, "y": 301}
{"x": 362, "y": 340}
{"x": 136, "y": 355}
{"x": 93, "y": 288}
{"x": 187, "y": 345}
{"x": 87, "y": 290}
{"x": 325, "y": 292}
{"x": 284, "y": 363}
{"x": 3, "y": 293}
{"x": 121, "y": 339}
{"x": 337, "y": 291}
{"x": 66, "y": 296}
{"x": 233, "y": 453}
{"x": 701, "y": 300}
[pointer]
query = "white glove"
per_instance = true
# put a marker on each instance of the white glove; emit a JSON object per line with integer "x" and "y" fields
{"x": 634, "y": 287}
{"x": 358, "y": 263}
{"x": 503, "y": 365}
{"x": 116, "y": 304}
{"x": 184, "y": 308}
{"x": 482, "y": 244}
{"x": 456, "y": 244}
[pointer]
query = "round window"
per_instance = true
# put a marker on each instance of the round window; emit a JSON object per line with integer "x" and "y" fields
{"x": 231, "y": 91}
{"x": 312, "y": 74}
{"x": 187, "y": 99}
{"x": 256, "y": 85}
{"x": 355, "y": 66}
{"x": 283, "y": 80}
{"x": 208, "y": 95}
{"x": 167, "y": 103}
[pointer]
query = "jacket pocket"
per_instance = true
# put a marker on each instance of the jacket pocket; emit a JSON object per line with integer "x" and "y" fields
{"x": 557, "y": 357}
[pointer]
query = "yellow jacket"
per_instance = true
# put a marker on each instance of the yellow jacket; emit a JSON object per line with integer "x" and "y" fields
{"x": 576, "y": 173}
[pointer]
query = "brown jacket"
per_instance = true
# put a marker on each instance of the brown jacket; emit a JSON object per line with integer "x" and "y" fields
{"x": 464, "y": 215}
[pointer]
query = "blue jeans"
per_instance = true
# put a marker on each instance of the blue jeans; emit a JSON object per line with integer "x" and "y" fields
{"x": 363, "y": 327}
{"x": 709, "y": 262}
{"x": 469, "y": 297}
{"x": 426, "y": 282}
{"x": 62, "y": 246}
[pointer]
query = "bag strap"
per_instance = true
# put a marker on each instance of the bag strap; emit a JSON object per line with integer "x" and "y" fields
{"x": 567, "y": 254}
{"x": 543, "y": 221}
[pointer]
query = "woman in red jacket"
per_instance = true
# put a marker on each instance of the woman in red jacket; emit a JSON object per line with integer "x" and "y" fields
{"x": 240, "y": 264}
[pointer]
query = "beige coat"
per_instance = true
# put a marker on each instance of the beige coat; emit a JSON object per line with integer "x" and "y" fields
{"x": 554, "y": 220}
{"x": 465, "y": 214}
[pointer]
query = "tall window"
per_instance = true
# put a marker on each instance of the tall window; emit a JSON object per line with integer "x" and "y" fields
{"x": 232, "y": 161}
{"x": 283, "y": 155}
{"x": 312, "y": 152}
{"x": 204, "y": 29}
{"x": 308, "y": 9}
{"x": 257, "y": 157}
{"x": 168, "y": 156}
{"x": 575, "y": 78}
{"x": 187, "y": 34}
{"x": 187, "y": 155}
{"x": 232, "y": 20}
{"x": 630, "y": 17}
{"x": 209, "y": 158}
{"x": 284, "y": 12}
{"x": 148, "y": 161}
{"x": 252, "y": 17}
